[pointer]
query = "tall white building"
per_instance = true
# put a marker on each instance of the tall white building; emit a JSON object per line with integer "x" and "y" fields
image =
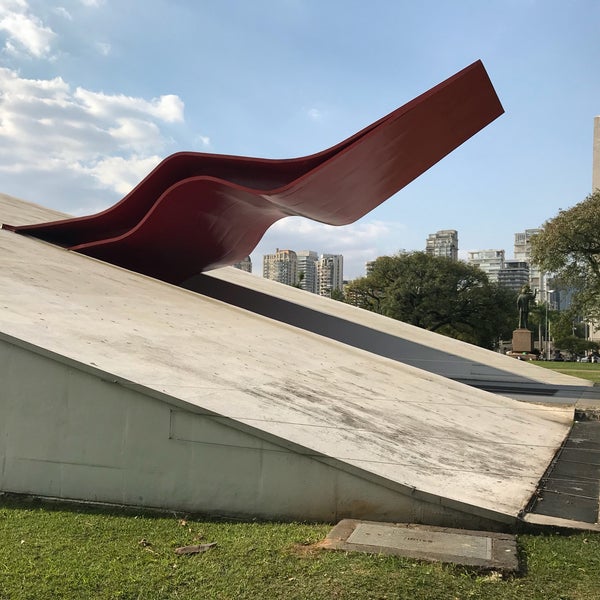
{"x": 594, "y": 328}
{"x": 443, "y": 243}
{"x": 330, "y": 273}
{"x": 281, "y": 266}
{"x": 596, "y": 156}
{"x": 490, "y": 262}
{"x": 307, "y": 270}
{"x": 537, "y": 279}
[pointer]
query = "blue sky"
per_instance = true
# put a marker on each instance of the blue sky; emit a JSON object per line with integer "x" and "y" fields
{"x": 94, "y": 93}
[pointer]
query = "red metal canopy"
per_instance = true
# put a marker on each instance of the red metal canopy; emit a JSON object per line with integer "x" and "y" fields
{"x": 196, "y": 212}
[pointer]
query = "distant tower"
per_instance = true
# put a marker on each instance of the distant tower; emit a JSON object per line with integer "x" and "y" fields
{"x": 330, "y": 273}
{"x": 307, "y": 270}
{"x": 489, "y": 261}
{"x": 514, "y": 275}
{"x": 596, "y": 156}
{"x": 537, "y": 279}
{"x": 594, "y": 328}
{"x": 281, "y": 266}
{"x": 244, "y": 265}
{"x": 443, "y": 243}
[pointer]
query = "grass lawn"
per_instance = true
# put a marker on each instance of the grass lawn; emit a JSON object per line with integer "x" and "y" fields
{"x": 49, "y": 552}
{"x": 584, "y": 370}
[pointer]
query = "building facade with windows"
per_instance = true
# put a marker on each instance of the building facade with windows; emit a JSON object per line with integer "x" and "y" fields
{"x": 514, "y": 275}
{"x": 443, "y": 243}
{"x": 330, "y": 273}
{"x": 596, "y": 156}
{"x": 281, "y": 266}
{"x": 490, "y": 262}
{"x": 307, "y": 270}
{"x": 522, "y": 251}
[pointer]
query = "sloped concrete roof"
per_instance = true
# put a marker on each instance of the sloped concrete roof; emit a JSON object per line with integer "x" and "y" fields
{"x": 422, "y": 348}
{"x": 420, "y": 432}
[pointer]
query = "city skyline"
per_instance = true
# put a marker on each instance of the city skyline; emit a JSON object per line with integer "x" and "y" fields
{"x": 307, "y": 269}
{"x": 449, "y": 238}
{"x": 92, "y": 102}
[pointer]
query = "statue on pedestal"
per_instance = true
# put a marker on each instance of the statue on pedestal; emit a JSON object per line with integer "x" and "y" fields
{"x": 523, "y": 300}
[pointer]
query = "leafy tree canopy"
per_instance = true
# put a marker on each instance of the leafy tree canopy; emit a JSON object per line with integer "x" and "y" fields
{"x": 439, "y": 294}
{"x": 569, "y": 247}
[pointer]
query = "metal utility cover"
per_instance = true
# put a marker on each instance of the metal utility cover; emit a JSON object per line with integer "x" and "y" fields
{"x": 471, "y": 548}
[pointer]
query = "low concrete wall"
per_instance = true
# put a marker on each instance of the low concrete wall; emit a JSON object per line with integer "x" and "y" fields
{"x": 70, "y": 433}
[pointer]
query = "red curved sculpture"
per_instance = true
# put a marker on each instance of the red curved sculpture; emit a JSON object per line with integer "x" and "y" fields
{"x": 196, "y": 212}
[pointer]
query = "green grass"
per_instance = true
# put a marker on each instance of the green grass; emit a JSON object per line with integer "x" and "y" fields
{"x": 49, "y": 552}
{"x": 589, "y": 371}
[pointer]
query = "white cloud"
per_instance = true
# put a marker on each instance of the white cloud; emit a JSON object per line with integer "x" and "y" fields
{"x": 25, "y": 33}
{"x": 168, "y": 108}
{"x": 359, "y": 242}
{"x": 121, "y": 174}
{"x": 8, "y": 6}
{"x": 315, "y": 114}
{"x": 63, "y": 12}
{"x": 136, "y": 134}
{"x": 203, "y": 140}
{"x": 329, "y": 236}
{"x": 92, "y": 3}
{"x": 103, "y": 48}
{"x": 91, "y": 140}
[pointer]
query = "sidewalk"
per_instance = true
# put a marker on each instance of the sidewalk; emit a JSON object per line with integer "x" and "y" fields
{"x": 570, "y": 489}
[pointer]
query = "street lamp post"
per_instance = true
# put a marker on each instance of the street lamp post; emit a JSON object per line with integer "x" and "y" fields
{"x": 548, "y": 292}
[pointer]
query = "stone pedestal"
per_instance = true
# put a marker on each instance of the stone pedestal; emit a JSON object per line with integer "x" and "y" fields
{"x": 522, "y": 341}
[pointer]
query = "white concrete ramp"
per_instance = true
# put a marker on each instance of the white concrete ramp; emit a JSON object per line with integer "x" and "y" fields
{"x": 384, "y": 336}
{"x": 119, "y": 388}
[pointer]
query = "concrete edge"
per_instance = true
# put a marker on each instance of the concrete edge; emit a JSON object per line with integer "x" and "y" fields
{"x": 537, "y": 523}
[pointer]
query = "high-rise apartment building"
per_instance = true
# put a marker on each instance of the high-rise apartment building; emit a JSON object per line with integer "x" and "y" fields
{"x": 443, "y": 243}
{"x": 244, "y": 265}
{"x": 594, "y": 328}
{"x": 330, "y": 273}
{"x": 514, "y": 275}
{"x": 281, "y": 266}
{"x": 490, "y": 262}
{"x": 307, "y": 270}
{"x": 304, "y": 269}
{"x": 537, "y": 279}
{"x": 596, "y": 156}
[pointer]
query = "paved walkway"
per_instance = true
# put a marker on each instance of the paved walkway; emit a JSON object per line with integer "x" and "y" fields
{"x": 571, "y": 487}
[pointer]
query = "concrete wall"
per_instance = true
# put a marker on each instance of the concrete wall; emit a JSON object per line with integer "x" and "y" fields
{"x": 66, "y": 432}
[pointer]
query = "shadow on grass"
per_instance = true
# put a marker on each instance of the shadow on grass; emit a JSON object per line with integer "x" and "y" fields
{"x": 24, "y": 501}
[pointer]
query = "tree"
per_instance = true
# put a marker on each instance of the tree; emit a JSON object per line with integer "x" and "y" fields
{"x": 568, "y": 333}
{"x": 439, "y": 294}
{"x": 569, "y": 247}
{"x": 338, "y": 295}
{"x": 299, "y": 281}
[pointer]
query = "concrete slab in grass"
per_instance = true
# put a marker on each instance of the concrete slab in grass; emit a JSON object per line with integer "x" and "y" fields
{"x": 490, "y": 551}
